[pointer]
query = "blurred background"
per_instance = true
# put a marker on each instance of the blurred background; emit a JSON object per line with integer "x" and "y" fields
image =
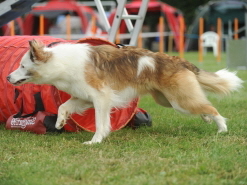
{"x": 168, "y": 25}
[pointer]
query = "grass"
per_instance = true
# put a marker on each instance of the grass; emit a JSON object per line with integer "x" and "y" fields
{"x": 178, "y": 149}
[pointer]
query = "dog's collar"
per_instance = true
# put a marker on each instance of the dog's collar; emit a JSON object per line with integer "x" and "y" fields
{"x": 52, "y": 44}
{"x": 120, "y": 45}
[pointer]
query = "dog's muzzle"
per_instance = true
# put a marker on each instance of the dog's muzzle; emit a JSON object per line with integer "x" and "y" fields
{"x": 16, "y": 83}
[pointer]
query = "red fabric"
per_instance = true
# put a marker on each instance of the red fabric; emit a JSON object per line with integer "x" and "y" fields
{"x": 30, "y": 124}
{"x": 173, "y": 22}
{"x": 95, "y": 41}
{"x": 11, "y": 51}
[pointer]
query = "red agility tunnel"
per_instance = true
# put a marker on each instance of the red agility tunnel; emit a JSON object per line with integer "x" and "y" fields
{"x": 11, "y": 51}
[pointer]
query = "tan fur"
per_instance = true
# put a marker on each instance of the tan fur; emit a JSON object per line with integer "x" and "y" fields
{"x": 37, "y": 51}
{"x": 104, "y": 77}
{"x": 184, "y": 89}
{"x": 33, "y": 73}
{"x": 92, "y": 78}
{"x": 212, "y": 83}
{"x": 173, "y": 80}
{"x": 160, "y": 98}
{"x": 118, "y": 67}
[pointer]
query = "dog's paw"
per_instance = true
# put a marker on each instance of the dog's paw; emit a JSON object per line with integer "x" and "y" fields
{"x": 87, "y": 143}
{"x": 58, "y": 127}
{"x": 90, "y": 142}
{"x": 222, "y": 130}
{"x": 60, "y": 124}
{"x": 206, "y": 119}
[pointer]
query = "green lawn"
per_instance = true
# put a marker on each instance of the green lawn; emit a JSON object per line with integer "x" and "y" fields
{"x": 178, "y": 149}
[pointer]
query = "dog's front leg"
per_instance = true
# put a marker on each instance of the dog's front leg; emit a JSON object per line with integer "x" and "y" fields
{"x": 102, "y": 119}
{"x": 71, "y": 106}
{"x": 62, "y": 116}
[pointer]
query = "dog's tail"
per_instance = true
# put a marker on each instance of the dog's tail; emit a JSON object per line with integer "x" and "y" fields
{"x": 220, "y": 82}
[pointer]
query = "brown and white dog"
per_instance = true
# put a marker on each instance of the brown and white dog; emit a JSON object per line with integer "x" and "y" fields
{"x": 104, "y": 77}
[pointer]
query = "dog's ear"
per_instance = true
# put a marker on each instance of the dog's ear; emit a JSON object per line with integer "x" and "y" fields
{"x": 37, "y": 52}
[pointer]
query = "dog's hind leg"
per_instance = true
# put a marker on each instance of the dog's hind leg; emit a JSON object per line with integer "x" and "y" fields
{"x": 102, "y": 105}
{"x": 206, "y": 118}
{"x": 185, "y": 95}
{"x": 73, "y": 105}
{"x": 160, "y": 98}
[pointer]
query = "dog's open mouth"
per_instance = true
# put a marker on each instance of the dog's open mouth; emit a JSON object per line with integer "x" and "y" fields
{"x": 20, "y": 81}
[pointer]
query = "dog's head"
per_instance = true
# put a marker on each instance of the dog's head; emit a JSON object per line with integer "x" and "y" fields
{"x": 30, "y": 64}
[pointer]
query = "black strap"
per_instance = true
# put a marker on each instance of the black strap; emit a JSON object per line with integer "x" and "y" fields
{"x": 17, "y": 93}
{"x": 53, "y": 43}
{"x": 39, "y": 106}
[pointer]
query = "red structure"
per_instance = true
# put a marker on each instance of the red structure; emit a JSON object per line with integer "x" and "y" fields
{"x": 52, "y": 10}
{"x": 12, "y": 48}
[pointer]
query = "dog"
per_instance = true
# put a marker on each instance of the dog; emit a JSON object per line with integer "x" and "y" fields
{"x": 104, "y": 77}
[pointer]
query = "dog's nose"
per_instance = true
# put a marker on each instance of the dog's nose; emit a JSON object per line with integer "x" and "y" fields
{"x": 8, "y": 78}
